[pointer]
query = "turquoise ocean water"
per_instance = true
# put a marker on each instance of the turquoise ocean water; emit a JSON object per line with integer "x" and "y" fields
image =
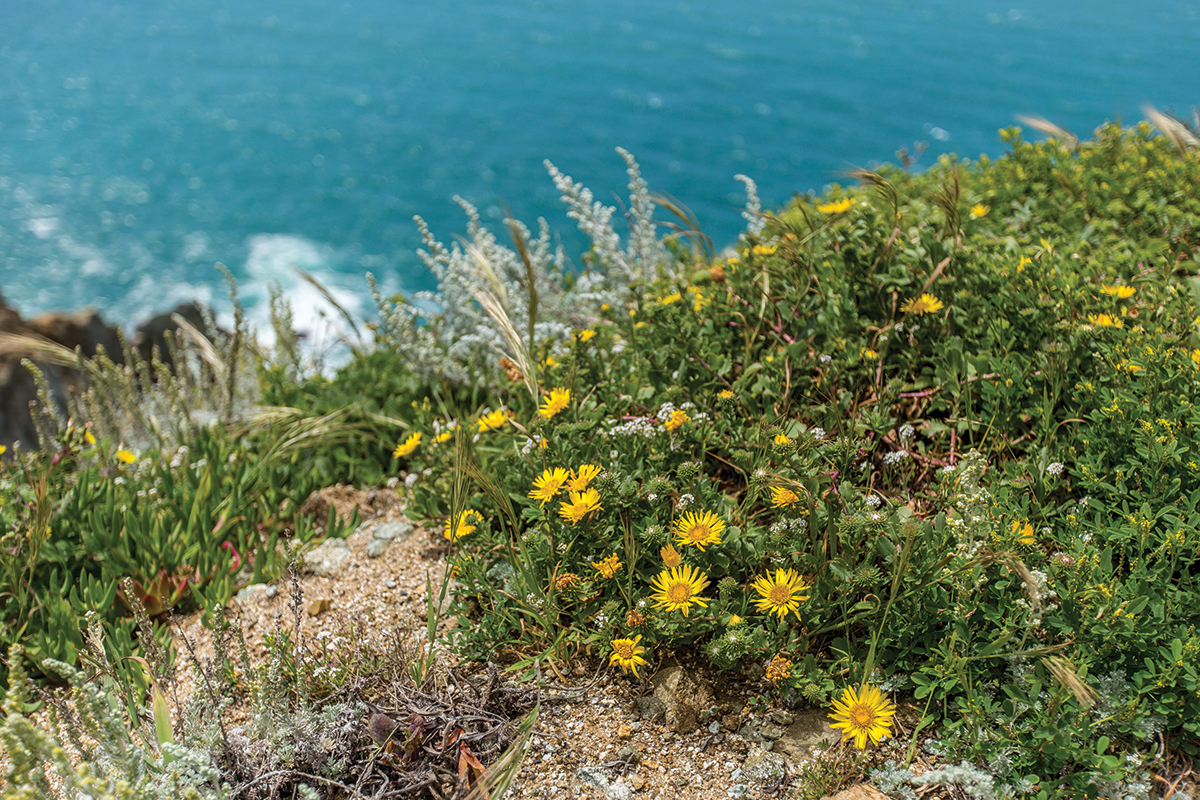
{"x": 141, "y": 141}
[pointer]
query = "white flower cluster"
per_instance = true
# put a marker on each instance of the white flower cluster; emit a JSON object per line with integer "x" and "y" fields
{"x": 873, "y": 500}
{"x": 638, "y": 426}
{"x": 1055, "y": 469}
{"x": 816, "y": 433}
{"x": 531, "y": 444}
{"x": 795, "y": 525}
{"x": 685, "y": 500}
{"x": 906, "y": 432}
{"x": 895, "y": 457}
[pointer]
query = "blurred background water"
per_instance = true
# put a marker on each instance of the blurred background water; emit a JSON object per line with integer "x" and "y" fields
{"x": 142, "y": 141}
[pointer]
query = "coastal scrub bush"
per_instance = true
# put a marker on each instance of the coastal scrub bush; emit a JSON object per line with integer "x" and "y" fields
{"x": 936, "y": 425}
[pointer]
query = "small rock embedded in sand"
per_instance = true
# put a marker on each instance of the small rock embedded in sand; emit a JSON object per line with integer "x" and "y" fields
{"x": 377, "y": 547}
{"x": 393, "y": 530}
{"x": 624, "y": 732}
{"x": 318, "y": 605}
{"x": 329, "y": 559}
{"x": 637, "y": 782}
{"x": 763, "y": 767}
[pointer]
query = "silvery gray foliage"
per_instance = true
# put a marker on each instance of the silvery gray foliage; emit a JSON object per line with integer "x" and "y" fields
{"x": 447, "y": 334}
{"x": 755, "y": 222}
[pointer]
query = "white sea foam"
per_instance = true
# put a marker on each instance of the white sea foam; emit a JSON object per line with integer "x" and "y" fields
{"x": 279, "y": 257}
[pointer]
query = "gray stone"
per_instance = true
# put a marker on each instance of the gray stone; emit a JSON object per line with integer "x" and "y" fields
{"x": 651, "y": 708}
{"x": 593, "y": 776}
{"x": 781, "y": 717}
{"x": 770, "y": 730}
{"x": 684, "y": 696}
{"x": 751, "y": 732}
{"x": 810, "y": 729}
{"x": 252, "y": 591}
{"x": 272, "y": 591}
{"x": 628, "y": 753}
{"x": 330, "y": 558}
{"x": 763, "y": 767}
{"x": 618, "y": 791}
{"x": 377, "y": 547}
{"x": 396, "y": 530}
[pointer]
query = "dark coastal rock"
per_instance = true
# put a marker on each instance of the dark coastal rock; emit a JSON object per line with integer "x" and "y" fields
{"x": 152, "y": 333}
{"x": 85, "y": 331}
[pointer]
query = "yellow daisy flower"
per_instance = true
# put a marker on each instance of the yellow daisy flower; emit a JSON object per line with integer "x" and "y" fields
{"x": 781, "y": 497}
{"x": 670, "y": 556}
{"x": 407, "y": 446}
{"x": 676, "y": 589}
{"x": 126, "y": 457}
{"x": 608, "y": 567}
{"x": 862, "y": 715}
{"x": 558, "y": 400}
{"x": 724, "y": 394}
{"x": 1024, "y": 533}
{"x": 979, "y": 210}
{"x": 87, "y": 437}
{"x": 781, "y": 595}
{"x": 548, "y": 484}
{"x": 580, "y": 479}
{"x": 868, "y": 354}
{"x": 1119, "y": 292}
{"x": 492, "y": 420}
{"x": 925, "y": 304}
{"x": 584, "y": 335}
{"x": 839, "y": 207}
{"x": 627, "y": 654}
{"x": 677, "y": 418}
{"x": 782, "y": 439}
{"x": 467, "y": 521}
{"x": 763, "y": 249}
{"x": 673, "y": 297}
{"x": 699, "y": 530}
{"x": 1105, "y": 321}
{"x": 579, "y": 505}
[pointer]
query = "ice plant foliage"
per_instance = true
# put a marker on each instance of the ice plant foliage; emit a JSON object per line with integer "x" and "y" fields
{"x": 780, "y": 595}
{"x": 677, "y": 589}
{"x": 699, "y": 530}
{"x": 627, "y": 654}
{"x": 863, "y": 715}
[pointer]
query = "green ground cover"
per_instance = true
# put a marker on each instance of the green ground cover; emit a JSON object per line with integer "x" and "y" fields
{"x": 936, "y": 433}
